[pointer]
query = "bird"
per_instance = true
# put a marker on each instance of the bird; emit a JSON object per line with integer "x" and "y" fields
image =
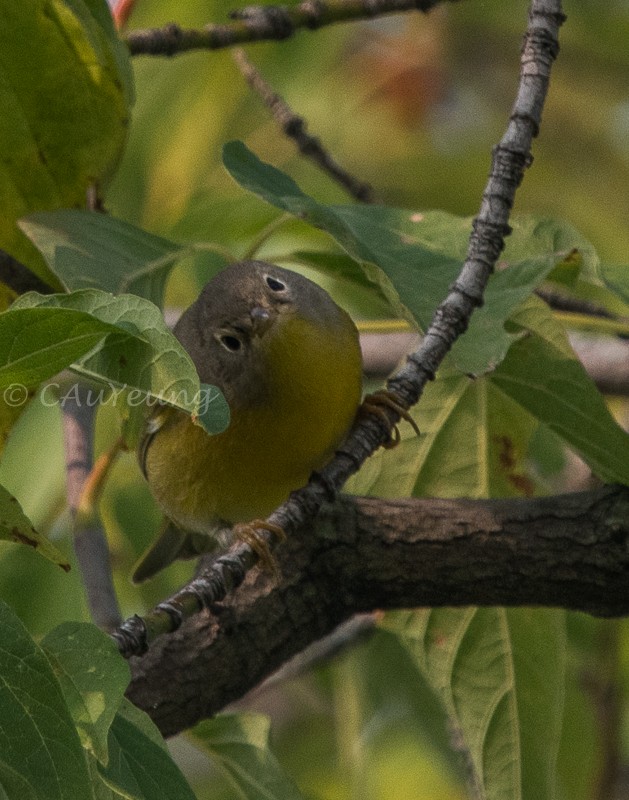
{"x": 287, "y": 359}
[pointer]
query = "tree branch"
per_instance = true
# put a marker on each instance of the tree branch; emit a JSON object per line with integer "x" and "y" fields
{"x": 90, "y": 544}
{"x": 260, "y": 23}
{"x": 570, "y": 551}
{"x": 451, "y": 319}
{"x": 19, "y": 277}
{"x": 294, "y": 127}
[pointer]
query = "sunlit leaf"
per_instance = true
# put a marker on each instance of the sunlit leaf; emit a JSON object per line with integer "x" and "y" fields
{"x": 93, "y": 677}
{"x": 122, "y": 341}
{"x": 500, "y": 676}
{"x": 62, "y": 62}
{"x": 473, "y": 443}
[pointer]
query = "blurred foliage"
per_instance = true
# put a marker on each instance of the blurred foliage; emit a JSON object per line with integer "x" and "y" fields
{"x": 412, "y": 104}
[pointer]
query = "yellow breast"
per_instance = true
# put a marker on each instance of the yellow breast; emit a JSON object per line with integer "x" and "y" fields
{"x": 270, "y": 449}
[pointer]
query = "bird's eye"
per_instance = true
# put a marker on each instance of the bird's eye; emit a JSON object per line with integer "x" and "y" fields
{"x": 231, "y": 343}
{"x": 274, "y": 284}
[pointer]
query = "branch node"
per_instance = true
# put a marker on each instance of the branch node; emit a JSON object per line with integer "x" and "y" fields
{"x": 314, "y": 11}
{"x": 131, "y": 637}
{"x": 271, "y": 21}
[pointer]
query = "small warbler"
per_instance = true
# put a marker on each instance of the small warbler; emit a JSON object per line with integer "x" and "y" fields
{"x": 288, "y": 361}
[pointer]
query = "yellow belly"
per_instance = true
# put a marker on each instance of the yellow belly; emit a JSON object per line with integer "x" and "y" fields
{"x": 270, "y": 449}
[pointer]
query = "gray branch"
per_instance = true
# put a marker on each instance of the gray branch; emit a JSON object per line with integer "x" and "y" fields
{"x": 569, "y": 551}
{"x": 90, "y": 544}
{"x": 264, "y": 23}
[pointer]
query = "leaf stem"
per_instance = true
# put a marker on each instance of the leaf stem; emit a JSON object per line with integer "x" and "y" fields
{"x": 266, "y": 233}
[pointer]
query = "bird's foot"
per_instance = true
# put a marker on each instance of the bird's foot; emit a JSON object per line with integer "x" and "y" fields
{"x": 376, "y": 403}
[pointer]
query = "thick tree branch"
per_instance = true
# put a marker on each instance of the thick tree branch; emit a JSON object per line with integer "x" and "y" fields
{"x": 510, "y": 158}
{"x": 260, "y": 23}
{"x": 570, "y": 551}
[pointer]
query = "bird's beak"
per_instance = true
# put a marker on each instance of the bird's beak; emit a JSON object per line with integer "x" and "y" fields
{"x": 261, "y": 320}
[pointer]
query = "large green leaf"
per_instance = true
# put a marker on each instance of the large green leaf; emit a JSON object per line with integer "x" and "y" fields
{"x": 413, "y": 257}
{"x": 239, "y": 744}
{"x": 93, "y": 677}
{"x": 500, "y": 675}
{"x": 122, "y": 341}
{"x": 13, "y": 786}
{"x": 65, "y": 90}
{"x": 38, "y": 739}
{"x": 139, "y": 768}
{"x": 86, "y": 249}
{"x": 495, "y": 416}
{"x": 473, "y": 443}
{"x": 15, "y": 526}
{"x": 543, "y": 376}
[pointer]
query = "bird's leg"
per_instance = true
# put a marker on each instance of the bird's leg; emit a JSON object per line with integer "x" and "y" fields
{"x": 376, "y": 403}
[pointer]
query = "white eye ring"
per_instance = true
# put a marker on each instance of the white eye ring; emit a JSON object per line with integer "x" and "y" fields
{"x": 275, "y": 284}
{"x": 230, "y": 342}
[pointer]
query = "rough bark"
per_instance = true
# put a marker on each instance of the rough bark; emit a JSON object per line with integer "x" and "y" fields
{"x": 570, "y": 551}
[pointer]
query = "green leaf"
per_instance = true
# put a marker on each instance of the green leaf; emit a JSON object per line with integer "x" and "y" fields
{"x": 15, "y": 526}
{"x": 87, "y": 249}
{"x": 93, "y": 677}
{"x": 62, "y": 62}
{"x": 13, "y": 785}
{"x": 500, "y": 676}
{"x": 540, "y": 382}
{"x": 239, "y": 745}
{"x": 473, "y": 443}
{"x": 413, "y": 257}
{"x": 616, "y": 277}
{"x": 122, "y": 341}
{"x": 385, "y": 242}
{"x": 139, "y": 768}
{"x": 38, "y": 740}
{"x": 556, "y": 389}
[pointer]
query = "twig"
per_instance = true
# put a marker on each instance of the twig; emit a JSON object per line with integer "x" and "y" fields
{"x": 563, "y": 302}
{"x": 510, "y": 158}
{"x": 294, "y": 127}
{"x": 90, "y": 544}
{"x": 259, "y": 23}
{"x": 20, "y": 278}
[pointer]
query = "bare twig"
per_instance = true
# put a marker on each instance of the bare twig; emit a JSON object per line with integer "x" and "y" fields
{"x": 259, "y": 23}
{"x": 90, "y": 544}
{"x": 294, "y": 127}
{"x": 19, "y": 277}
{"x": 451, "y": 319}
